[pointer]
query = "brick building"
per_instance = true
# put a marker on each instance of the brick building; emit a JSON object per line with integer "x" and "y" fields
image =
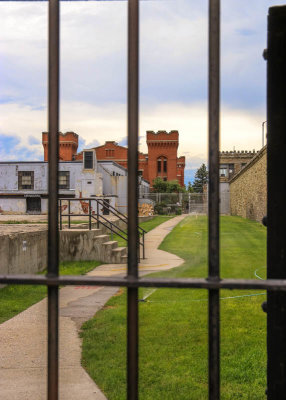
{"x": 232, "y": 162}
{"x": 160, "y": 161}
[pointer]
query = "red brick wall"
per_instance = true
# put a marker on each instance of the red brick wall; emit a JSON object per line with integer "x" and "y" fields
{"x": 165, "y": 145}
{"x": 161, "y": 144}
{"x": 68, "y": 145}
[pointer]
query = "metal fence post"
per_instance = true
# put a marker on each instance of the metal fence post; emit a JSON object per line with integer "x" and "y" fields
{"x": 97, "y": 212}
{"x": 89, "y": 214}
{"x": 276, "y": 210}
{"x": 69, "y": 212}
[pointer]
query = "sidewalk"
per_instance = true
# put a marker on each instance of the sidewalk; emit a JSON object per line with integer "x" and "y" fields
{"x": 23, "y": 339}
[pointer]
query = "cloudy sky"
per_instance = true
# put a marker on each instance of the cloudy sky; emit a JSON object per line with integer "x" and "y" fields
{"x": 173, "y": 74}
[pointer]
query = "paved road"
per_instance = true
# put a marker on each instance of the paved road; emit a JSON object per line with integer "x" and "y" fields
{"x": 23, "y": 349}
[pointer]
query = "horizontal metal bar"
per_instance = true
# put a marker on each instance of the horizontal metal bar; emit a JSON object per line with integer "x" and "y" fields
{"x": 191, "y": 283}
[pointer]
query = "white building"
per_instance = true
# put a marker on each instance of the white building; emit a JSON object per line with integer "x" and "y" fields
{"x": 24, "y": 184}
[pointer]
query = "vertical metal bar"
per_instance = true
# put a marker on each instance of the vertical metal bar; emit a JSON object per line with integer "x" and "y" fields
{"x": 213, "y": 205}
{"x": 53, "y": 233}
{"x": 97, "y": 212}
{"x": 69, "y": 211}
{"x": 61, "y": 219}
{"x": 89, "y": 215}
{"x": 276, "y": 211}
{"x": 143, "y": 245}
{"x": 133, "y": 237}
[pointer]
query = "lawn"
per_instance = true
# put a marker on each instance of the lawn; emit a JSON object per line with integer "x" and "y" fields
{"x": 17, "y": 298}
{"x": 146, "y": 225}
{"x": 173, "y": 323}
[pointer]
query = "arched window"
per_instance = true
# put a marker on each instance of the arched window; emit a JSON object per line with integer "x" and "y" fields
{"x": 162, "y": 165}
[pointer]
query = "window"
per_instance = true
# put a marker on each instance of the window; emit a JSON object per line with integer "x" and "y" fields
{"x": 109, "y": 153}
{"x": 165, "y": 164}
{"x": 162, "y": 164}
{"x": 64, "y": 179}
{"x": 223, "y": 170}
{"x": 159, "y": 165}
{"x": 88, "y": 160}
{"x": 231, "y": 169}
{"x": 26, "y": 180}
{"x": 140, "y": 172}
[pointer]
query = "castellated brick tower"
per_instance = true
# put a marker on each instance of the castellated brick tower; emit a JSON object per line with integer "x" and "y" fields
{"x": 162, "y": 156}
{"x": 68, "y": 145}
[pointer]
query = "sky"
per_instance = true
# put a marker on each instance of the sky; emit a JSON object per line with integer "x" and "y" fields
{"x": 173, "y": 74}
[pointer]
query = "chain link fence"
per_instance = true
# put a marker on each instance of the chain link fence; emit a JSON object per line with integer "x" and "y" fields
{"x": 183, "y": 203}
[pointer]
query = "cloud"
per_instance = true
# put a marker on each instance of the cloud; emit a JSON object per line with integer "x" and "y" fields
{"x": 11, "y": 149}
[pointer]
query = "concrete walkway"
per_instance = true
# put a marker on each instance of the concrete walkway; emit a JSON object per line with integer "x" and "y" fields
{"x": 23, "y": 339}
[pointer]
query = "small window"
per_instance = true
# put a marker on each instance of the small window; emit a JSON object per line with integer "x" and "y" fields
{"x": 165, "y": 179}
{"x": 223, "y": 170}
{"x": 26, "y": 180}
{"x": 159, "y": 165}
{"x": 64, "y": 179}
{"x": 165, "y": 164}
{"x": 88, "y": 160}
{"x": 140, "y": 172}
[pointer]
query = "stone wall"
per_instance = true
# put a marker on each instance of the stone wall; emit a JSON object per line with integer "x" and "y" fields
{"x": 248, "y": 189}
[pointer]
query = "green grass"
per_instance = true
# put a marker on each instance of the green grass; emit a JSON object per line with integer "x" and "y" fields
{"x": 147, "y": 226}
{"x": 17, "y": 298}
{"x": 173, "y": 323}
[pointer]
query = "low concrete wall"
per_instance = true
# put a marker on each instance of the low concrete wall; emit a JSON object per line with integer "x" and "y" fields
{"x": 248, "y": 189}
{"x": 26, "y": 252}
{"x": 23, "y": 253}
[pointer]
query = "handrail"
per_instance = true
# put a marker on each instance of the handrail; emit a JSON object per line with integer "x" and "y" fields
{"x": 98, "y": 218}
{"x": 125, "y": 219}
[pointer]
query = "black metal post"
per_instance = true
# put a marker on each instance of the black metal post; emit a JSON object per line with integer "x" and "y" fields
{"x": 61, "y": 220}
{"x": 213, "y": 204}
{"x": 132, "y": 293}
{"x": 143, "y": 239}
{"x": 69, "y": 212}
{"x": 97, "y": 211}
{"x": 53, "y": 230}
{"x": 89, "y": 215}
{"x": 276, "y": 210}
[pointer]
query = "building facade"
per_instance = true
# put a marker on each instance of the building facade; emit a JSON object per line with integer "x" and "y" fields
{"x": 160, "y": 161}
{"x": 248, "y": 188}
{"x": 24, "y": 185}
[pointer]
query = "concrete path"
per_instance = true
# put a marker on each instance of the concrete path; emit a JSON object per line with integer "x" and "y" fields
{"x": 23, "y": 339}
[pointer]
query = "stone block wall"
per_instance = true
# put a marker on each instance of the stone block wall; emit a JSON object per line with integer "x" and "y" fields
{"x": 248, "y": 189}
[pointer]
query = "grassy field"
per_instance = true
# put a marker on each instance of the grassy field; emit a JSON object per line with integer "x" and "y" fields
{"x": 17, "y": 298}
{"x": 173, "y": 323}
{"x": 147, "y": 226}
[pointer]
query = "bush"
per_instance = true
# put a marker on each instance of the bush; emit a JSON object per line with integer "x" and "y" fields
{"x": 178, "y": 211}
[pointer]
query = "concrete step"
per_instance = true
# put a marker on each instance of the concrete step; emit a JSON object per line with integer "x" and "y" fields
{"x": 108, "y": 247}
{"x": 118, "y": 254}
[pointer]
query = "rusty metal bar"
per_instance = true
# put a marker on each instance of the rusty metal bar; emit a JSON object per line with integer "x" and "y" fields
{"x": 53, "y": 234}
{"x": 276, "y": 211}
{"x": 133, "y": 236}
{"x": 213, "y": 204}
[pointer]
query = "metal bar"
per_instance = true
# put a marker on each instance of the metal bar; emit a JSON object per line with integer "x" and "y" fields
{"x": 53, "y": 234}
{"x": 274, "y": 285}
{"x": 276, "y": 211}
{"x": 69, "y": 211}
{"x": 143, "y": 244}
{"x": 61, "y": 219}
{"x": 97, "y": 212}
{"x": 213, "y": 204}
{"x": 89, "y": 215}
{"x": 133, "y": 236}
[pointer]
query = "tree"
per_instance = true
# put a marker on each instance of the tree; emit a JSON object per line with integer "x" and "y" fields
{"x": 190, "y": 188}
{"x": 201, "y": 179}
{"x": 160, "y": 186}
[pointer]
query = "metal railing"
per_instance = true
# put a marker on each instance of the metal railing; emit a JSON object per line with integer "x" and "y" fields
{"x": 100, "y": 219}
{"x": 276, "y": 240}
